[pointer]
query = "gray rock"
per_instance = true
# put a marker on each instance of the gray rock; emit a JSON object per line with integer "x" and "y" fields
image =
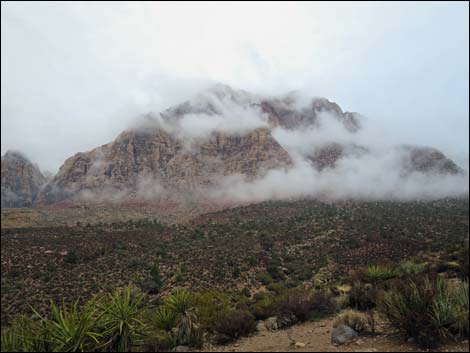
{"x": 286, "y": 321}
{"x": 261, "y": 327}
{"x": 271, "y": 324}
{"x": 181, "y": 349}
{"x": 343, "y": 334}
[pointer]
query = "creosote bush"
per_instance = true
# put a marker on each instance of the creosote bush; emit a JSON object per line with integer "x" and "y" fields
{"x": 234, "y": 324}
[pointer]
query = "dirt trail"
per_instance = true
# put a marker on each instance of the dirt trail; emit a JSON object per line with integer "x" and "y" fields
{"x": 316, "y": 337}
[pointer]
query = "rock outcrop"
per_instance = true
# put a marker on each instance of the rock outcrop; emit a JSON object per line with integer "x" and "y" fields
{"x": 427, "y": 160}
{"x": 137, "y": 157}
{"x": 21, "y": 181}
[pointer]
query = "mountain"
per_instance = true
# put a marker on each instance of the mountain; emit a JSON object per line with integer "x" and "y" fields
{"x": 21, "y": 181}
{"x": 195, "y": 147}
{"x": 155, "y": 153}
{"x": 138, "y": 158}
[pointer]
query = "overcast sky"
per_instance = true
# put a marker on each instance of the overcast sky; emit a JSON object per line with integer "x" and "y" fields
{"x": 74, "y": 75}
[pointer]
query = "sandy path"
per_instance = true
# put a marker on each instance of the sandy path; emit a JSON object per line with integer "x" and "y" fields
{"x": 316, "y": 337}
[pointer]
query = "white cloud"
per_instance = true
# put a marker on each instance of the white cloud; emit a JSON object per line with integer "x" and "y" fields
{"x": 74, "y": 75}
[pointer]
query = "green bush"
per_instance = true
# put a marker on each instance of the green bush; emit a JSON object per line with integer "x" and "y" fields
{"x": 264, "y": 277}
{"x": 409, "y": 268}
{"x": 303, "y": 304}
{"x": 363, "y": 296}
{"x": 428, "y": 310}
{"x": 375, "y": 274}
{"x": 263, "y": 308}
{"x": 209, "y": 306}
{"x": 234, "y": 324}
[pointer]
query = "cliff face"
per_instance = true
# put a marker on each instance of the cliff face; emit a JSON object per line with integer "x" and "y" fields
{"x": 285, "y": 113}
{"x": 139, "y": 156}
{"x": 427, "y": 160}
{"x": 21, "y": 181}
{"x": 164, "y": 153}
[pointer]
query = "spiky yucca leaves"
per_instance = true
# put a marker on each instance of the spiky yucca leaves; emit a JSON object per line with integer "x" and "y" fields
{"x": 71, "y": 329}
{"x": 24, "y": 335}
{"x": 121, "y": 320}
{"x": 264, "y": 307}
{"x": 430, "y": 311}
{"x": 376, "y": 274}
{"x": 409, "y": 268}
{"x": 461, "y": 310}
{"x": 185, "y": 330}
{"x": 164, "y": 319}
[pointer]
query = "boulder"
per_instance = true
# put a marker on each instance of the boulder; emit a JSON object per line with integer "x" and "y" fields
{"x": 343, "y": 334}
{"x": 271, "y": 324}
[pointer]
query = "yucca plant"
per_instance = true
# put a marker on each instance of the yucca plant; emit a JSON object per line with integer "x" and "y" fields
{"x": 410, "y": 268}
{"x": 430, "y": 310}
{"x": 122, "y": 322}
{"x": 461, "y": 310}
{"x": 184, "y": 330}
{"x": 72, "y": 329}
{"x": 376, "y": 274}
{"x": 180, "y": 302}
{"x": 24, "y": 335}
{"x": 442, "y": 311}
{"x": 164, "y": 319}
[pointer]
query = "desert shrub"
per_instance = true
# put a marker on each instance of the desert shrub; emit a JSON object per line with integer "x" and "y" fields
{"x": 72, "y": 257}
{"x": 358, "y": 321}
{"x": 427, "y": 310}
{"x": 264, "y": 277}
{"x": 234, "y": 324}
{"x": 376, "y": 274}
{"x": 263, "y": 308}
{"x": 246, "y": 292}
{"x": 155, "y": 274}
{"x": 122, "y": 323}
{"x": 152, "y": 284}
{"x": 409, "y": 268}
{"x": 362, "y": 296}
{"x": 463, "y": 259}
{"x": 274, "y": 269}
{"x": 303, "y": 304}
{"x": 322, "y": 302}
{"x": 209, "y": 306}
{"x": 276, "y": 288}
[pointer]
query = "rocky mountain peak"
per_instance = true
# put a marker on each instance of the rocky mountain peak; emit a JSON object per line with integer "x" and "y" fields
{"x": 21, "y": 180}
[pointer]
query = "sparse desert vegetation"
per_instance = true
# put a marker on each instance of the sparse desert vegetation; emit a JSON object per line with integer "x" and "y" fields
{"x": 212, "y": 280}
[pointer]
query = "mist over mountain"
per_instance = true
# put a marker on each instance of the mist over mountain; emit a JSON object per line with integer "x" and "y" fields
{"x": 21, "y": 180}
{"x": 226, "y": 144}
